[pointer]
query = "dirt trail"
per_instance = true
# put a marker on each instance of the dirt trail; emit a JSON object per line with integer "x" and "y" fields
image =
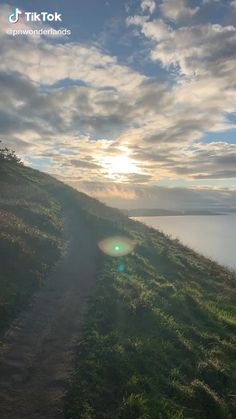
{"x": 36, "y": 357}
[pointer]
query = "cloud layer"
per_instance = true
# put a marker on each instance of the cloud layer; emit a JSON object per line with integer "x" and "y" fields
{"x": 72, "y": 108}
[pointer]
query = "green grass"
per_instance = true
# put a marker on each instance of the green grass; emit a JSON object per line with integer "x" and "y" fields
{"x": 158, "y": 340}
{"x": 33, "y": 210}
{"x": 31, "y": 237}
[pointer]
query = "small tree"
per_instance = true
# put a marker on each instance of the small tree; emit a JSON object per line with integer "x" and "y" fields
{"x": 9, "y": 155}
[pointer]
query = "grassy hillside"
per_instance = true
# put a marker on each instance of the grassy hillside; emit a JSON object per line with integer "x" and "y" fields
{"x": 31, "y": 239}
{"x": 159, "y": 334}
{"x": 34, "y": 209}
{"x": 159, "y": 338}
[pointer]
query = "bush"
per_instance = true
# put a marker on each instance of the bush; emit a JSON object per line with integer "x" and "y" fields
{"x": 9, "y": 155}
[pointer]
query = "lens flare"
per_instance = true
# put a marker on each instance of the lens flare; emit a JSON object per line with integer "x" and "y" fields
{"x": 116, "y": 246}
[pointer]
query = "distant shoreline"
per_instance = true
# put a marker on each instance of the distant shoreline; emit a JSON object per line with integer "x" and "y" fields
{"x": 175, "y": 215}
{"x": 163, "y": 213}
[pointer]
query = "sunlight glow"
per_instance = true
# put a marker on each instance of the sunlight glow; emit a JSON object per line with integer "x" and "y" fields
{"x": 120, "y": 164}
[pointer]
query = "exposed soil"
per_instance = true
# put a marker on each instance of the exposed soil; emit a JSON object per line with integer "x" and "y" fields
{"x": 37, "y": 352}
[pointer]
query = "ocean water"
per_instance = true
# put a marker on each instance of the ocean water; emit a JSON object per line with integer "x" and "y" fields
{"x": 213, "y": 236}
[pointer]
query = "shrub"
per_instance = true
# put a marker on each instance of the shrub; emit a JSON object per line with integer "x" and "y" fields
{"x": 9, "y": 155}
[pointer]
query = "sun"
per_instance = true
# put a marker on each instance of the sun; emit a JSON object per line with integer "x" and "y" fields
{"x": 119, "y": 165}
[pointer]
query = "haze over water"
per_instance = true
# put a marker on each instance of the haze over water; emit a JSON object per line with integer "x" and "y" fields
{"x": 213, "y": 236}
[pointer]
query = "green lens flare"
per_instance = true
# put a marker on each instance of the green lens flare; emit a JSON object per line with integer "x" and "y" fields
{"x": 116, "y": 246}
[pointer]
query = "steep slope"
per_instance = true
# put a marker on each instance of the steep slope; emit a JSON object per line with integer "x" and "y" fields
{"x": 31, "y": 236}
{"x": 159, "y": 338}
{"x": 158, "y": 335}
{"x": 33, "y": 210}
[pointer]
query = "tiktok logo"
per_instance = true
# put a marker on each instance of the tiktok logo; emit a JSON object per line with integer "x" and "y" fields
{"x": 15, "y": 16}
{"x": 34, "y": 16}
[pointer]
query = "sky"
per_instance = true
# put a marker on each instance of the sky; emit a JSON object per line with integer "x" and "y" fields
{"x": 136, "y": 106}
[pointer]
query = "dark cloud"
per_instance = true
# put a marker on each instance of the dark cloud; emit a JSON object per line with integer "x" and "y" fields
{"x": 83, "y": 164}
{"x": 23, "y": 107}
{"x": 218, "y": 162}
{"x": 224, "y": 174}
{"x": 14, "y": 84}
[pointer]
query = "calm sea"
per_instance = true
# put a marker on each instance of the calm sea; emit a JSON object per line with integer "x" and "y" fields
{"x": 213, "y": 236}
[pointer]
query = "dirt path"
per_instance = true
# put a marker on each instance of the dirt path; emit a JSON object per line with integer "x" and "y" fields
{"x": 36, "y": 357}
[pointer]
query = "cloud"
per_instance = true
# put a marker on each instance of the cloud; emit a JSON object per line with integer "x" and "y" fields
{"x": 199, "y": 50}
{"x": 148, "y": 6}
{"x": 156, "y": 30}
{"x": 83, "y": 164}
{"x": 203, "y": 59}
{"x": 43, "y": 61}
{"x": 177, "y": 9}
{"x": 62, "y": 109}
{"x": 215, "y": 160}
{"x": 209, "y": 161}
{"x": 108, "y": 191}
{"x": 172, "y": 198}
